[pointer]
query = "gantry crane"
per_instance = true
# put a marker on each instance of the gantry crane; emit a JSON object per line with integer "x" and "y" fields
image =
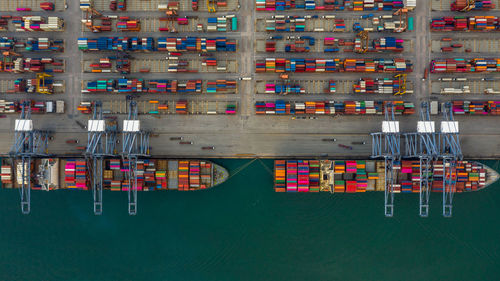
{"x": 450, "y": 152}
{"x": 402, "y": 84}
{"x": 8, "y": 58}
{"x": 423, "y": 145}
{"x": 101, "y": 143}
{"x": 402, "y": 13}
{"x": 135, "y": 145}
{"x": 211, "y": 6}
{"x": 470, "y": 4}
{"x": 386, "y": 144}
{"x": 90, "y": 12}
{"x": 28, "y": 143}
{"x": 364, "y": 37}
{"x": 465, "y": 5}
{"x": 41, "y": 87}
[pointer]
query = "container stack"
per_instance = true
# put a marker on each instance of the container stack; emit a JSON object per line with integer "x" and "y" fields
{"x": 47, "y": 6}
{"x": 128, "y": 25}
{"x": 388, "y": 44}
{"x": 465, "y": 65}
{"x": 314, "y": 175}
{"x": 38, "y": 23}
{"x": 69, "y": 174}
{"x": 183, "y": 173}
{"x": 181, "y": 107}
{"x": 291, "y": 176}
{"x": 376, "y": 86}
{"x": 303, "y": 175}
{"x": 145, "y": 44}
{"x": 196, "y": 44}
{"x": 9, "y": 106}
{"x": 174, "y": 86}
{"x": 280, "y": 107}
{"x": 206, "y": 174}
{"x": 463, "y": 23}
{"x": 194, "y": 174}
{"x": 329, "y": 5}
{"x": 284, "y": 89}
{"x": 220, "y": 86}
{"x": 231, "y": 108}
{"x": 279, "y": 176}
{"x": 6, "y": 175}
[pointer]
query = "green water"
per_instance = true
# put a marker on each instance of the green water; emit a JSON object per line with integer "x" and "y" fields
{"x": 242, "y": 230}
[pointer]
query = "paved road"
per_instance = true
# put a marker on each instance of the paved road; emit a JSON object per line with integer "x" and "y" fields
{"x": 245, "y": 134}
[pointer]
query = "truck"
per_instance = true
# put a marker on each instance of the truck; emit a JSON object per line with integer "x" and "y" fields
{"x": 434, "y": 107}
{"x": 49, "y": 107}
{"x": 60, "y": 106}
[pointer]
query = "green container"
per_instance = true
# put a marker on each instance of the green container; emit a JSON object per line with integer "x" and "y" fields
{"x": 234, "y": 24}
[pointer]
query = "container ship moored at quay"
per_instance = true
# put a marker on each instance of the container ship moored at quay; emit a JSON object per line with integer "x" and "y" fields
{"x": 352, "y": 176}
{"x": 152, "y": 174}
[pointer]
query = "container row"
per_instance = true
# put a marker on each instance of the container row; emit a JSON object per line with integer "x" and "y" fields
{"x": 466, "y": 23}
{"x": 169, "y": 44}
{"x": 161, "y": 86}
{"x": 280, "y": 107}
{"x": 281, "y": 65}
{"x": 31, "y": 44}
{"x": 465, "y": 65}
{"x": 333, "y": 5}
{"x": 163, "y": 107}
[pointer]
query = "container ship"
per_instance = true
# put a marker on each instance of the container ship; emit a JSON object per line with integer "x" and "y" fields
{"x": 152, "y": 174}
{"x": 352, "y": 176}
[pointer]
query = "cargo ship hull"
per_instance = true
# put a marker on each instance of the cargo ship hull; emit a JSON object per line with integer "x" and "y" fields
{"x": 353, "y": 176}
{"x": 152, "y": 174}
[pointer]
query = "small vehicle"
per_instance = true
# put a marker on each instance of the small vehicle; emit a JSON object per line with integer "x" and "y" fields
{"x": 329, "y": 139}
{"x": 208, "y": 147}
{"x": 81, "y": 125}
{"x": 345, "y": 146}
{"x": 176, "y": 138}
{"x": 358, "y": 142}
{"x": 445, "y": 79}
{"x": 185, "y": 142}
{"x": 72, "y": 141}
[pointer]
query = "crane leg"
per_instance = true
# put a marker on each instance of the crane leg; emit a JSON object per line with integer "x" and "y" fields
{"x": 25, "y": 186}
{"x": 424, "y": 186}
{"x": 132, "y": 188}
{"x": 97, "y": 185}
{"x": 389, "y": 187}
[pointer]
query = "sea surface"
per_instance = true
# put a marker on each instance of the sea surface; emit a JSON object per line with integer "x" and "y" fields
{"x": 242, "y": 230}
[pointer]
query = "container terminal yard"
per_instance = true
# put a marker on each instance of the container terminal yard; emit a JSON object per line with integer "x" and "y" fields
{"x": 321, "y": 79}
